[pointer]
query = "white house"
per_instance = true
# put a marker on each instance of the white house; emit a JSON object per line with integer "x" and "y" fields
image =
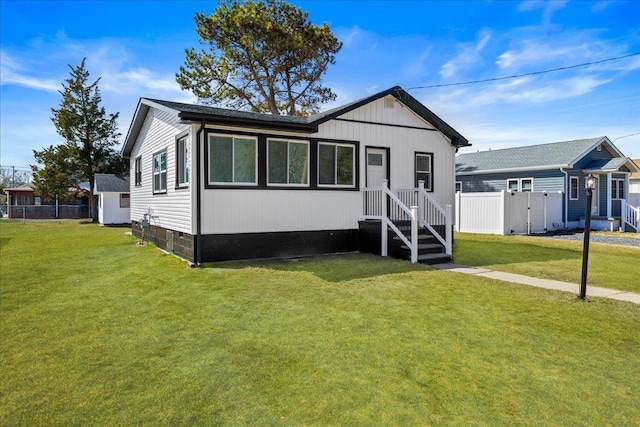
{"x": 216, "y": 184}
{"x": 113, "y": 198}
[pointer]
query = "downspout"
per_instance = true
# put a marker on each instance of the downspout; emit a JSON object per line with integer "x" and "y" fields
{"x": 566, "y": 196}
{"x": 198, "y": 243}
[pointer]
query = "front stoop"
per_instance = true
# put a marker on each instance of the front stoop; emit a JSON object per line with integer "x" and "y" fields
{"x": 430, "y": 250}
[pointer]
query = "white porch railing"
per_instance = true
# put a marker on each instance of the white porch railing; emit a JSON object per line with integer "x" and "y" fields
{"x": 430, "y": 214}
{"x": 410, "y": 205}
{"x": 631, "y": 216}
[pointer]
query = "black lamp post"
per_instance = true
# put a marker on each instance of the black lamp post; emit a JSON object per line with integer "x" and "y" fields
{"x": 589, "y": 185}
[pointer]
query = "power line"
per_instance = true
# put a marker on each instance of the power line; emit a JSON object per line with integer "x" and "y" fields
{"x": 534, "y": 73}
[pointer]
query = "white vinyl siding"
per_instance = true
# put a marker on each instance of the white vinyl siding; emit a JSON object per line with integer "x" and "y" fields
{"x": 403, "y": 133}
{"x": 287, "y": 162}
{"x": 173, "y": 210}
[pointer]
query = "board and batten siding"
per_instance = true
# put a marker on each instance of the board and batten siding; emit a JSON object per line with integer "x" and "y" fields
{"x": 404, "y": 133}
{"x": 171, "y": 210}
{"x": 267, "y": 211}
{"x": 248, "y": 210}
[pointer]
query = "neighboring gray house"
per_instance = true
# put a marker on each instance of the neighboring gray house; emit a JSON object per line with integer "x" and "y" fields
{"x": 113, "y": 198}
{"x": 555, "y": 167}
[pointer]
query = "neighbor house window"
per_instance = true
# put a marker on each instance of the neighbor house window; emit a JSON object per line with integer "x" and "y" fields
{"x": 336, "y": 165}
{"x": 424, "y": 170}
{"x": 138, "y": 171}
{"x": 182, "y": 162}
{"x": 125, "y": 200}
{"x": 617, "y": 189}
{"x": 160, "y": 172}
{"x": 523, "y": 184}
{"x": 232, "y": 160}
{"x": 288, "y": 162}
{"x": 573, "y": 188}
{"x": 458, "y": 186}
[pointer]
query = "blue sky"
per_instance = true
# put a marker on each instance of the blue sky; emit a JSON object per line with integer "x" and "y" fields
{"x": 136, "y": 47}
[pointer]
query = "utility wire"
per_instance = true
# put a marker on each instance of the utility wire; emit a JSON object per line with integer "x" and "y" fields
{"x": 525, "y": 74}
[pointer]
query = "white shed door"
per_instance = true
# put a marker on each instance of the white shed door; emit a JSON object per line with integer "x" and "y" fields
{"x": 376, "y": 167}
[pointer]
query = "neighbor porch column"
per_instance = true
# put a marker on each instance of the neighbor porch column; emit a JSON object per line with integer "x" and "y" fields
{"x": 609, "y": 176}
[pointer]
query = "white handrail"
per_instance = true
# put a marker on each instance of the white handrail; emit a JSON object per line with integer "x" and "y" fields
{"x": 631, "y": 215}
{"x": 432, "y": 214}
{"x": 375, "y": 207}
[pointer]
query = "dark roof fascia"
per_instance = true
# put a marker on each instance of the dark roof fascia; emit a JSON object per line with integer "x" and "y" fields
{"x": 403, "y": 96}
{"x": 246, "y": 122}
{"x": 134, "y": 128}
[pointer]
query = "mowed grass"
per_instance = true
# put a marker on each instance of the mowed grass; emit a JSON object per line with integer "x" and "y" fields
{"x": 610, "y": 266}
{"x": 97, "y": 330}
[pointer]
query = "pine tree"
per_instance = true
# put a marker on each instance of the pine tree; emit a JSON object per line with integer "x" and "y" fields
{"x": 261, "y": 55}
{"x": 90, "y": 138}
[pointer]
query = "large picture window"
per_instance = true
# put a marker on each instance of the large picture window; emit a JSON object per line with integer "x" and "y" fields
{"x": 182, "y": 163}
{"x": 232, "y": 160}
{"x": 288, "y": 162}
{"x": 336, "y": 165}
{"x": 160, "y": 172}
{"x": 424, "y": 170}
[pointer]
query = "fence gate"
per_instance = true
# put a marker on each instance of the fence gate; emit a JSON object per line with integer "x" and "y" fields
{"x": 509, "y": 212}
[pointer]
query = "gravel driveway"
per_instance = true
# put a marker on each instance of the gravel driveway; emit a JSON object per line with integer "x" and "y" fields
{"x": 598, "y": 238}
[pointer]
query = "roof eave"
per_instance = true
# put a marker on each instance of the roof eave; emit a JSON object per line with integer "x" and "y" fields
{"x": 526, "y": 169}
{"x": 244, "y": 122}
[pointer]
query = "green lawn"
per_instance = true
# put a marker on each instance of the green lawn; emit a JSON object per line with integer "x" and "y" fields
{"x": 97, "y": 330}
{"x": 610, "y": 266}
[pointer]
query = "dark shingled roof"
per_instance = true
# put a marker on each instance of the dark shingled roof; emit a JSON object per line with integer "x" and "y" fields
{"x": 208, "y": 114}
{"x": 111, "y": 183}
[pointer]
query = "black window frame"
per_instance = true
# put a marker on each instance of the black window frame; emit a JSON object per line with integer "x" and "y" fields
{"x": 153, "y": 172}
{"x": 137, "y": 170}
{"x": 182, "y": 156}
{"x": 428, "y": 183}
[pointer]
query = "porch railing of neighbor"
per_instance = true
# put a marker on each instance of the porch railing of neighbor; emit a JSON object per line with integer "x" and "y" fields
{"x": 410, "y": 206}
{"x": 630, "y": 216}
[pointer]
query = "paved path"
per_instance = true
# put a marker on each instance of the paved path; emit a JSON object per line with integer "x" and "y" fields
{"x": 541, "y": 283}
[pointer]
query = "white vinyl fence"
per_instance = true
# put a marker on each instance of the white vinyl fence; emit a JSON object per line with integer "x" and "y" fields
{"x": 508, "y": 212}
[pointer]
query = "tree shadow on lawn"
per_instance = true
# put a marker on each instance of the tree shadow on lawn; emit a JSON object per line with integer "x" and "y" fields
{"x": 510, "y": 250}
{"x": 331, "y": 268}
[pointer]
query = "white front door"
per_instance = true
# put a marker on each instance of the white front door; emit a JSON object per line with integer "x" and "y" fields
{"x": 376, "y": 167}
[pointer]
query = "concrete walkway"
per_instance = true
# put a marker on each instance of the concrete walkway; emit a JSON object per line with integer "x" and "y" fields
{"x": 592, "y": 291}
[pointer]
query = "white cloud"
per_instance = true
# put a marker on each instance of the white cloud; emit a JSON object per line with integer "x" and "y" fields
{"x": 469, "y": 54}
{"x": 11, "y": 73}
{"x": 548, "y": 7}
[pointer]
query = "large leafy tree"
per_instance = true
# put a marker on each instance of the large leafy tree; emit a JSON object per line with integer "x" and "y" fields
{"x": 90, "y": 136}
{"x": 263, "y": 56}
